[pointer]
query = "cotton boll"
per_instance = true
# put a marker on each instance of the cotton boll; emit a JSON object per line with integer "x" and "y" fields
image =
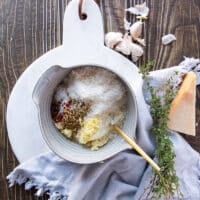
{"x": 167, "y": 39}
{"x": 136, "y": 30}
{"x": 113, "y": 38}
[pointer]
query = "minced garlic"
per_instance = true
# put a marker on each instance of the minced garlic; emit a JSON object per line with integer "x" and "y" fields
{"x": 67, "y": 132}
{"x": 96, "y": 144}
{"x": 90, "y": 128}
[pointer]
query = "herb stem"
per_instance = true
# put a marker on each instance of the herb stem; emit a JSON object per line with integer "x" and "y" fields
{"x": 164, "y": 184}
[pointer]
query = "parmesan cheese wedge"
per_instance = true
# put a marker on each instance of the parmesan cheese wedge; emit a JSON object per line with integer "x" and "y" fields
{"x": 182, "y": 110}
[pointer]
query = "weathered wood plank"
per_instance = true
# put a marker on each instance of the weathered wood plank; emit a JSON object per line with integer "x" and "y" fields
{"x": 182, "y": 19}
{"x": 30, "y": 28}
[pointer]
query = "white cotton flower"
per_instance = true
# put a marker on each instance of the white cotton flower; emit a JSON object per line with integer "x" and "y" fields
{"x": 113, "y": 38}
{"x": 136, "y": 29}
{"x": 167, "y": 39}
{"x": 140, "y": 9}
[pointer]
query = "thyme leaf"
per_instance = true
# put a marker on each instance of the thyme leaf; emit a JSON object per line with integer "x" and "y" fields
{"x": 164, "y": 184}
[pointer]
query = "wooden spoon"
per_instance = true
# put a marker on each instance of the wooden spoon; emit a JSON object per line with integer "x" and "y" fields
{"x": 136, "y": 147}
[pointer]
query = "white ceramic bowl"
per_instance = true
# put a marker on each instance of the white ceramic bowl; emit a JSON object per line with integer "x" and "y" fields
{"x": 42, "y": 96}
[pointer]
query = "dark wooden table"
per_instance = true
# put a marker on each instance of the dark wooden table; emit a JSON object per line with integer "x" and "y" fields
{"x": 29, "y": 28}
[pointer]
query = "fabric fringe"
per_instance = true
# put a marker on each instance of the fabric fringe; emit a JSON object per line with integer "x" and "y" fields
{"x": 19, "y": 178}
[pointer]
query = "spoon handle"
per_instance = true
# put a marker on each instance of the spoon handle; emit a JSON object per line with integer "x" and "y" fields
{"x": 137, "y": 148}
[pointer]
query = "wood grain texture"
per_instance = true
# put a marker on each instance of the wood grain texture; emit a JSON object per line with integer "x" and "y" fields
{"x": 29, "y": 28}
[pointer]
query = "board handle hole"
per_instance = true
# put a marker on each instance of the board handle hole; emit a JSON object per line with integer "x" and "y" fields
{"x": 83, "y": 16}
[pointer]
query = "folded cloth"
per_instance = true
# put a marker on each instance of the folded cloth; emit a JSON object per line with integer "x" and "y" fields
{"x": 124, "y": 176}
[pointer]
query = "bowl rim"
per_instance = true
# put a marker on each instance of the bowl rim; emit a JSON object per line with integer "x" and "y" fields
{"x": 124, "y": 145}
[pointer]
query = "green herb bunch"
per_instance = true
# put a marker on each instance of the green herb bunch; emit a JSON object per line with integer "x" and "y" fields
{"x": 164, "y": 184}
{"x": 145, "y": 69}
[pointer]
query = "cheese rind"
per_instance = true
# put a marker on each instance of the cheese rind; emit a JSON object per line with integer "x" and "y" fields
{"x": 182, "y": 110}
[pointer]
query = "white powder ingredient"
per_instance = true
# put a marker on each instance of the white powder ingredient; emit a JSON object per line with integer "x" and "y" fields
{"x": 100, "y": 86}
{"x": 103, "y": 89}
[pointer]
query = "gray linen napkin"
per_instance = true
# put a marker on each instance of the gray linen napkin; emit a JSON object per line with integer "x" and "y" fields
{"x": 125, "y": 175}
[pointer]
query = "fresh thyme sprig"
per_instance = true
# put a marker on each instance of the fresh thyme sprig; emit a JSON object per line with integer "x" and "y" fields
{"x": 145, "y": 68}
{"x": 164, "y": 184}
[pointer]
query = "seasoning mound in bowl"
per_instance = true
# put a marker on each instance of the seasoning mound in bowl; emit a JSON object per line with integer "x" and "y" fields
{"x": 86, "y": 103}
